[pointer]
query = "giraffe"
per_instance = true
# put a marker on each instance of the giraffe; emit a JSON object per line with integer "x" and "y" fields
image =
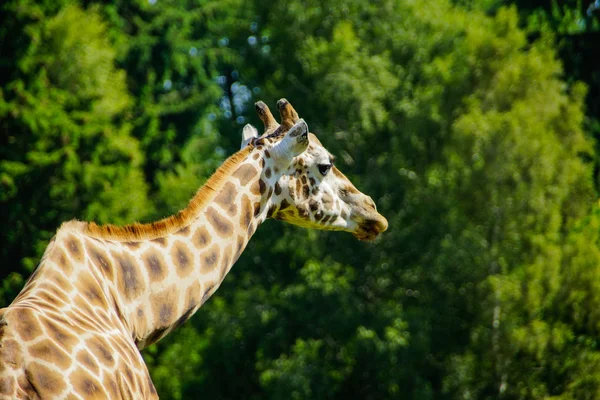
{"x": 102, "y": 293}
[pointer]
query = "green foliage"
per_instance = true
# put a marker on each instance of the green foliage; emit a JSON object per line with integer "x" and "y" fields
{"x": 456, "y": 117}
{"x": 66, "y": 146}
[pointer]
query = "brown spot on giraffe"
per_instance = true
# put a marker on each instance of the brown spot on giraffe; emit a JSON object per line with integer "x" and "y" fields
{"x": 59, "y": 280}
{"x": 111, "y": 387}
{"x": 53, "y": 295}
{"x": 166, "y": 314}
{"x": 241, "y": 241}
{"x": 201, "y": 238}
{"x": 102, "y": 350}
{"x": 185, "y": 231}
{"x": 155, "y": 336}
{"x": 251, "y": 230}
{"x": 128, "y": 276}
{"x": 256, "y": 208}
{"x": 132, "y": 245}
{"x": 319, "y": 215}
{"x": 74, "y": 248}
{"x": 210, "y": 258}
{"x": 101, "y": 259}
{"x": 226, "y": 199}
{"x": 85, "y": 358}
{"x": 222, "y": 226}
{"x": 11, "y": 352}
{"x": 83, "y": 307}
{"x": 267, "y": 172}
{"x": 89, "y": 287}
{"x": 44, "y": 380}
{"x": 186, "y": 315}
{"x": 246, "y": 211}
{"x": 271, "y": 211}
{"x": 210, "y": 288}
{"x": 26, "y": 324}
{"x": 262, "y": 186}
{"x": 161, "y": 241}
{"x": 49, "y": 351}
{"x": 162, "y": 305}
{"x": 7, "y": 386}
{"x": 182, "y": 258}
{"x": 87, "y": 386}
{"x": 59, "y": 257}
{"x": 245, "y": 173}
{"x": 302, "y": 211}
{"x": 193, "y": 293}
{"x": 306, "y": 191}
{"x": 277, "y": 188}
{"x": 24, "y": 383}
{"x": 255, "y": 187}
{"x": 155, "y": 264}
{"x": 140, "y": 322}
{"x": 298, "y": 188}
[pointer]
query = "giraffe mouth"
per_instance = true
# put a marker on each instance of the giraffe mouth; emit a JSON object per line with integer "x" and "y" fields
{"x": 369, "y": 230}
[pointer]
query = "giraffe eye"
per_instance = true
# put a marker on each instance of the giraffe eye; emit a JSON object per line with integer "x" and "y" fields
{"x": 324, "y": 168}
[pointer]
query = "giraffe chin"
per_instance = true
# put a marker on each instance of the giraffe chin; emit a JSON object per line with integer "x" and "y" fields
{"x": 366, "y": 235}
{"x": 370, "y": 230}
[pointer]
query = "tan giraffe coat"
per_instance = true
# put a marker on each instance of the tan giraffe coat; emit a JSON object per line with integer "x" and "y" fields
{"x": 101, "y": 293}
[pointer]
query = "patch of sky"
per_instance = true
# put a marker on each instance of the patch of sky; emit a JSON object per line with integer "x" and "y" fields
{"x": 241, "y": 95}
{"x": 221, "y": 80}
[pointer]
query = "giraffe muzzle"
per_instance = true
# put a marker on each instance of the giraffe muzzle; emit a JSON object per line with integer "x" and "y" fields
{"x": 370, "y": 229}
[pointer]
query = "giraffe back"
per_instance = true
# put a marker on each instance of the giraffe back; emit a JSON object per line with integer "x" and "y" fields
{"x": 52, "y": 342}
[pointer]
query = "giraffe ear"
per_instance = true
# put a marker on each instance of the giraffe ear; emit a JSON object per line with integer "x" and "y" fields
{"x": 293, "y": 143}
{"x": 248, "y": 133}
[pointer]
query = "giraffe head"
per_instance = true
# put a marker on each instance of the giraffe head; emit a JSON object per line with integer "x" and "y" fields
{"x": 309, "y": 191}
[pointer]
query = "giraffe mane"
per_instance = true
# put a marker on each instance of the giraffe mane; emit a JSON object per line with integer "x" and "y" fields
{"x": 173, "y": 223}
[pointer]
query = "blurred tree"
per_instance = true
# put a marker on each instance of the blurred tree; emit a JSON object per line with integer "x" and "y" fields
{"x": 470, "y": 143}
{"x": 66, "y": 149}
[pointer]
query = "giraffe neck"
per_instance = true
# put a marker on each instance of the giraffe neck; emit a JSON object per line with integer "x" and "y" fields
{"x": 185, "y": 268}
{"x": 145, "y": 283}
